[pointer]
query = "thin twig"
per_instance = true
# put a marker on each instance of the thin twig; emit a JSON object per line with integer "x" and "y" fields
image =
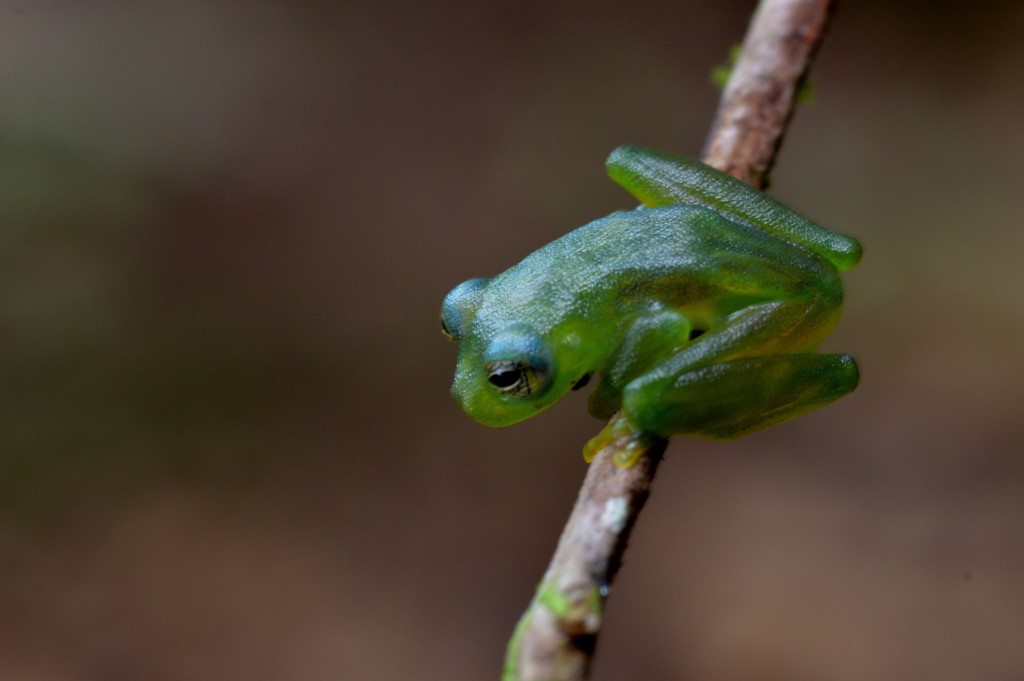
{"x": 758, "y": 100}
{"x": 556, "y": 637}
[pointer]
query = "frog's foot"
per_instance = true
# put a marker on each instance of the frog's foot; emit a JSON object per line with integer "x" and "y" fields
{"x": 619, "y": 435}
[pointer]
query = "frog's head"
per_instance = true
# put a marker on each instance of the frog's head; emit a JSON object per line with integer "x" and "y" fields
{"x": 506, "y": 371}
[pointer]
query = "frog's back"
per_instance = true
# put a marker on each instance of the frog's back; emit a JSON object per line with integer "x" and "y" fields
{"x": 676, "y": 238}
{"x": 679, "y": 256}
{"x": 651, "y": 244}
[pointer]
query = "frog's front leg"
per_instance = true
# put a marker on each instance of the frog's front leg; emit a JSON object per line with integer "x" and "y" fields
{"x": 649, "y": 339}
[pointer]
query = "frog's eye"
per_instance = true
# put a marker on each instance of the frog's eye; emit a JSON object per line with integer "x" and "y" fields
{"x": 514, "y": 378}
{"x": 459, "y": 308}
{"x": 446, "y": 331}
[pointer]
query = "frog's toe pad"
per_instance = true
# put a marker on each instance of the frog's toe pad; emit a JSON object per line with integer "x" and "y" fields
{"x": 627, "y": 443}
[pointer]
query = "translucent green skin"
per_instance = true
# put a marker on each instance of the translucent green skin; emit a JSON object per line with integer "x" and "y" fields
{"x": 701, "y": 310}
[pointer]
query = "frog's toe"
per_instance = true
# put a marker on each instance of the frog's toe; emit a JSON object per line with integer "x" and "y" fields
{"x": 619, "y": 435}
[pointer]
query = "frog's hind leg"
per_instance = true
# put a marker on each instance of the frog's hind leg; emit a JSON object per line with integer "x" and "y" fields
{"x": 659, "y": 179}
{"x": 730, "y": 399}
{"x": 753, "y": 366}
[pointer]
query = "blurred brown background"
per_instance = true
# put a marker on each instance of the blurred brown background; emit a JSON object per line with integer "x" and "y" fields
{"x": 226, "y": 445}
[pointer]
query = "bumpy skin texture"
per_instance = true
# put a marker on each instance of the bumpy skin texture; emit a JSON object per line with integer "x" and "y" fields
{"x": 701, "y": 310}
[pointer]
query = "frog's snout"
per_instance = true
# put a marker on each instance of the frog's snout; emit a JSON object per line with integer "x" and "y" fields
{"x": 486, "y": 408}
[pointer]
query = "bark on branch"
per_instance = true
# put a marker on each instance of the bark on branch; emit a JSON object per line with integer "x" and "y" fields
{"x": 556, "y": 637}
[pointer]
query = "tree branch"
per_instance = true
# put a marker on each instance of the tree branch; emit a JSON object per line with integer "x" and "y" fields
{"x": 556, "y": 637}
{"x": 757, "y": 103}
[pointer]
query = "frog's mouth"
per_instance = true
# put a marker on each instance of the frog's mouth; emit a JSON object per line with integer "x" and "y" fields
{"x": 481, "y": 407}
